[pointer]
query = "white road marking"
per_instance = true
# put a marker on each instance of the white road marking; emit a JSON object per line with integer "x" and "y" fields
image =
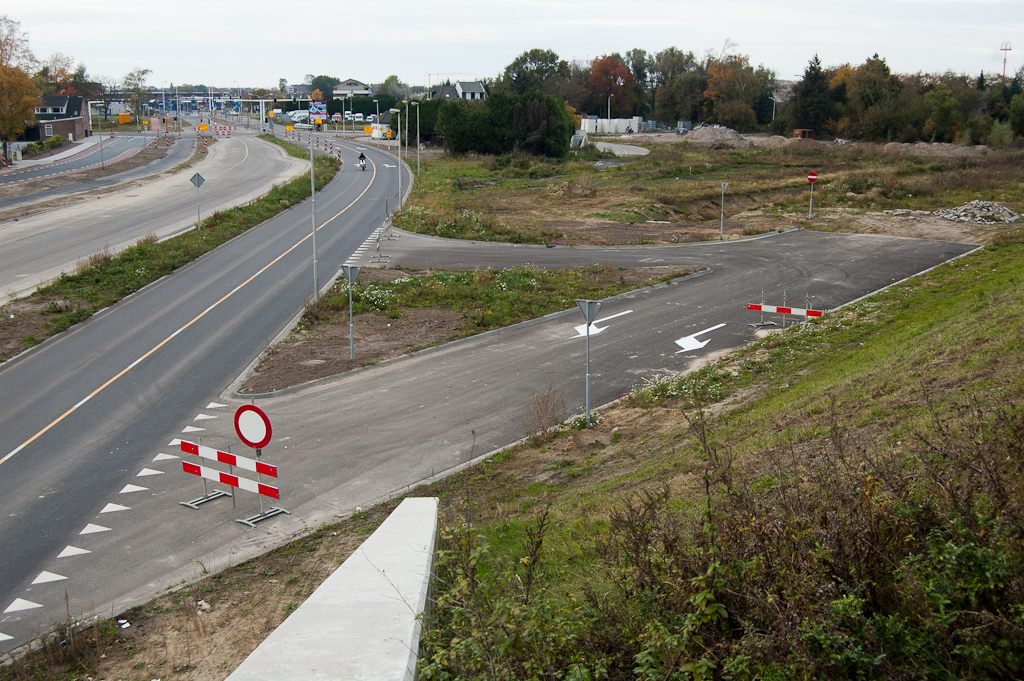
{"x": 132, "y": 488}
{"x": 72, "y": 551}
{"x": 21, "y": 604}
{"x": 689, "y": 343}
{"x": 192, "y": 429}
{"x": 93, "y": 529}
{"x": 45, "y": 577}
{"x": 581, "y": 330}
{"x": 148, "y": 471}
{"x": 165, "y": 457}
{"x": 204, "y": 417}
{"x": 114, "y": 508}
{"x": 215, "y": 405}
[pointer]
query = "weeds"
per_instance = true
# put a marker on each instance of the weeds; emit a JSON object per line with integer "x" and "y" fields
{"x": 545, "y": 410}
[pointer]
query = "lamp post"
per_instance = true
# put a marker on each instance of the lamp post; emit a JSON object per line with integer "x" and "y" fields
{"x": 610, "y": 107}
{"x": 399, "y": 112}
{"x": 417, "y": 105}
{"x": 99, "y": 124}
{"x": 376, "y": 121}
{"x": 312, "y": 190}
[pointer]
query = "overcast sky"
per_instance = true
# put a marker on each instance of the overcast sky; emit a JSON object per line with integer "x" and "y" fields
{"x": 254, "y": 44}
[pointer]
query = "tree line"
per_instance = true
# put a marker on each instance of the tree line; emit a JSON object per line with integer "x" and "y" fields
{"x": 865, "y": 101}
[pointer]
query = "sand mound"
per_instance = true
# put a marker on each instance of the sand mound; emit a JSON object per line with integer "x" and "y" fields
{"x": 709, "y": 136}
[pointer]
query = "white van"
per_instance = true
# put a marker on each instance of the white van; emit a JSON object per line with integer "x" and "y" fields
{"x": 359, "y": 116}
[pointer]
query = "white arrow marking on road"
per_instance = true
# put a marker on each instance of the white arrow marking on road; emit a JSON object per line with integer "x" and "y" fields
{"x": 45, "y": 577}
{"x": 164, "y": 457}
{"x": 93, "y": 529}
{"x": 192, "y": 429}
{"x": 690, "y": 342}
{"x": 72, "y": 551}
{"x": 114, "y": 508}
{"x": 148, "y": 471}
{"x": 204, "y": 417}
{"x": 132, "y": 488}
{"x": 5, "y": 637}
{"x": 388, "y": 165}
{"x": 581, "y": 330}
{"x": 215, "y": 405}
{"x": 21, "y": 604}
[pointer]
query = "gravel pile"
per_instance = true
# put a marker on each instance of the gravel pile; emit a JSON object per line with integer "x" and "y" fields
{"x": 982, "y": 212}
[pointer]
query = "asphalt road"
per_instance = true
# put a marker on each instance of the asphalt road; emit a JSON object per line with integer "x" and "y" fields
{"x": 84, "y": 413}
{"x": 39, "y": 247}
{"x": 87, "y": 157}
{"x": 180, "y": 152}
{"x": 91, "y": 480}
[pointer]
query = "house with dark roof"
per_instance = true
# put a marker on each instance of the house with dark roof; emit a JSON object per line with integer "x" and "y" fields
{"x": 471, "y": 90}
{"x": 62, "y": 115}
{"x": 467, "y": 90}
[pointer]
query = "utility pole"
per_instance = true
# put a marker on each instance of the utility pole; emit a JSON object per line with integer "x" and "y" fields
{"x": 1004, "y": 48}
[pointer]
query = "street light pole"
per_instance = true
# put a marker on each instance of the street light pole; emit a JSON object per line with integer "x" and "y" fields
{"x": 376, "y": 121}
{"x": 312, "y": 190}
{"x": 417, "y": 105}
{"x": 99, "y": 124}
{"x": 399, "y": 112}
{"x": 610, "y": 107}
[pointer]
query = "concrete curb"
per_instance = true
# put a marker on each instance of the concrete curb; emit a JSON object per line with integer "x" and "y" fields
{"x": 366, "y": 619}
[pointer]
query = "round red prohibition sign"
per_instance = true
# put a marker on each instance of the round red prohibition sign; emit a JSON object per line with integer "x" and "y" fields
{"x": 253, "y": 426}
{"x": 812, "y": 177}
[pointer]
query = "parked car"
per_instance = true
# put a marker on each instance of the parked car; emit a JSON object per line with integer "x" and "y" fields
{"x": 359, "y": 116}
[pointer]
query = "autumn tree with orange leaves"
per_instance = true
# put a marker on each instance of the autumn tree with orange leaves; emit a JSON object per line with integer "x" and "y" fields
{"x": 609, "y": 76}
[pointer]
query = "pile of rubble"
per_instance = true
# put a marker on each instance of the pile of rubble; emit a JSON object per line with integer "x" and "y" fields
{"x": 982, "y": 212}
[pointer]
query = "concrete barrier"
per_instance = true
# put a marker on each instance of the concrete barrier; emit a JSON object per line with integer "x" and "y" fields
{"x": 363, "y": 622}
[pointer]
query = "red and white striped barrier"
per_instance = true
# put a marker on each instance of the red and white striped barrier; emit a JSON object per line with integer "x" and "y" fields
{"x": 230, "y": 459}
{"x": 784, "y": 310}
{"x": 231, "y": 480}
{"x": 111, "y": 134}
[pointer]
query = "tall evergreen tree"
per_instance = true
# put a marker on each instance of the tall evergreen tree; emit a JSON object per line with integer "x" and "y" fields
{"x": 811, "y": 105}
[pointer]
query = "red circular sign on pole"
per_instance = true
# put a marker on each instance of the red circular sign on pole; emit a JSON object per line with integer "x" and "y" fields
{"x": 253, "y": 426}
{"x": 812, "y": 177}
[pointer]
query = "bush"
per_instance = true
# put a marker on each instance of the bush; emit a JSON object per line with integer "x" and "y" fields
{"x": 49, "y": 144}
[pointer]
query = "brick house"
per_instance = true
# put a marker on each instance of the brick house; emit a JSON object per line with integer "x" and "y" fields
{"x": 60, "y": 115}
